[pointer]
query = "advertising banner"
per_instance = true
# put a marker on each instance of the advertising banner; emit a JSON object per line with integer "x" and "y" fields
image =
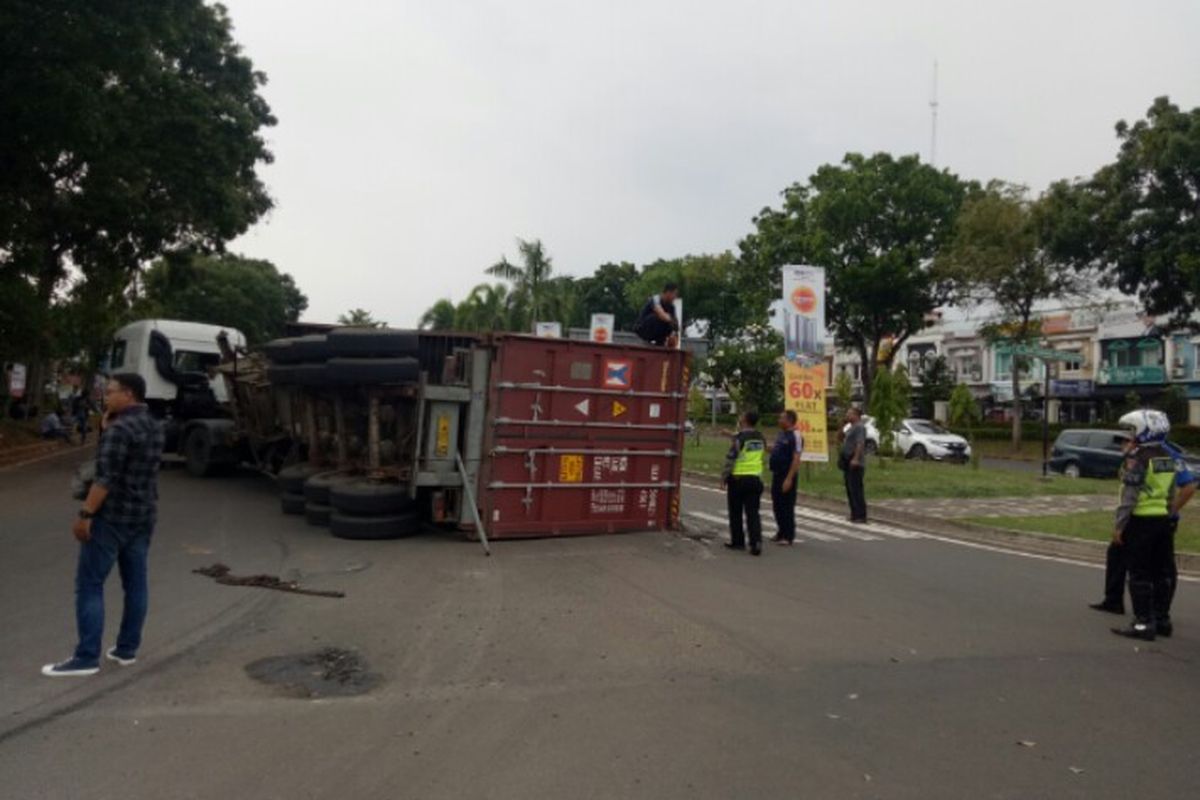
{"x": 602, "y": 328}
{"x": 804, "y": 378}
{"x": 548, "y": 330}
{"x": 805, "y": 394}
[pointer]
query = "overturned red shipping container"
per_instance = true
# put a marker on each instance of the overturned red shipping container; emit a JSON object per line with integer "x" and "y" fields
{"x": 582, "y": 438}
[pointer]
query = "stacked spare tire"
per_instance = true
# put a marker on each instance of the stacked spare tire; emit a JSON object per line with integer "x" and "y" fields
{"x": 354, "y": 499}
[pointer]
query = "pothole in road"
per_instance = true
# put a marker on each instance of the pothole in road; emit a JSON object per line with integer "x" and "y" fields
{"x": 329, "y": 672}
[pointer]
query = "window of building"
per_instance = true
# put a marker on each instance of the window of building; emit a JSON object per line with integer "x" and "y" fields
{"x": 1033, "y": 369}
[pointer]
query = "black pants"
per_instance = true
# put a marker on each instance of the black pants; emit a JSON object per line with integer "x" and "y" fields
{"x": 744, "y": 496}
{"x": 1148, "y": 554}
{"x": 784, "y": 504}
{"x": 1116, "y": 570}
{"x": 856, "y": 494}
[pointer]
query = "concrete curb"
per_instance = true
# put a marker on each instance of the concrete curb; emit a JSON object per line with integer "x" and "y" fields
{"x": 1019, "y": 541}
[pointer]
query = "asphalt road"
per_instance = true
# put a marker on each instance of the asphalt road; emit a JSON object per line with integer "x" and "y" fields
{"x": 635, "y": 666}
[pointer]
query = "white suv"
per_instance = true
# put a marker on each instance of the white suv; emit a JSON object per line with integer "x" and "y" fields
{"x": 922, "y": 439}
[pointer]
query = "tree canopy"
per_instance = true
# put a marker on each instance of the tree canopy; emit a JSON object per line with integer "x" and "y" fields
{"x": 360, "y": 318}
{"x": 129, "y": 130}
{"x": 874, "y": 223}
{"x": 250, "y": 295}
{"x": 1137, "y": 219}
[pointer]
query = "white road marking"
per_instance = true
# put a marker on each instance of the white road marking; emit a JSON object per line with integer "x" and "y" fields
{"x": 987, "y": 547}
{"x": 768, "y": 527}
{"x": 842, "y": 530}
{"x": 886, "y": 530}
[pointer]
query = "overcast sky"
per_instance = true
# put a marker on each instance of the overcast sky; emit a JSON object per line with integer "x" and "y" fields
{"x": 416, "y": 140}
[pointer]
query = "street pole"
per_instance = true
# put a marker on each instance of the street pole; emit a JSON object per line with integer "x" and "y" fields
{"x": 1046, "y": 422}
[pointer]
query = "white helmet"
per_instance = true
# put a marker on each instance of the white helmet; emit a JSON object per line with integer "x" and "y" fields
{"x": 1147, "y": 424}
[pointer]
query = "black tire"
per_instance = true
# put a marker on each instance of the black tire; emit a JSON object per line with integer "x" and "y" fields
{"x": 292, "y": 478}
{"x": 372, "y": 342}
{"x": 281, "y": 374}
{"x": 362, "y": 497}
{"x": 311, "y": 375}
{"x": 918, "y": 453}
{"x": 317, "y": 487}
{"x": 391, "y": 526}
{"x": 1072, "y": 470}
{"x": 308, "y": 349}
{"x": 317, "y": 514}
{"x": 291, "y": 503}
{"x": 871, "y": 447}
{"x": 279, "y": 351}
{"x": 373, "y": 370}
{"x": 198, "y": 452}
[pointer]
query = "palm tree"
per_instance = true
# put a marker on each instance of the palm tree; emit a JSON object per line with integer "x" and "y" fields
{"x": 530, "y": 278}
{"x": 489, "y": 307}
{"x": 441, "y": 316}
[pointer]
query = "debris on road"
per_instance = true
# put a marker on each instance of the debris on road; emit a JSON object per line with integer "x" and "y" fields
{"x": 220, "y": 573}
{"x": 329, "y": 672}
{"x": 1026, "y": 743}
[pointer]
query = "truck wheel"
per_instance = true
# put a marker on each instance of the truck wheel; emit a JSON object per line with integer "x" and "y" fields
{"x": 292, "y": 478}
{"x": 281, "y": 374}
{"x": 317, "y": 514}
{"x": 368, "y": 342}
{"x": 279, "y": 351}
{"x": 373, "y": 370}
{"x": 307, "y": 349}
{"x": 197, "y": 451}
{"x": 292, "y": 503}
{"x": 316, "y": 488}
{"x": 310, "y": 374}
{"x": 366, "y": 498}
{"x": 391, "y": 526}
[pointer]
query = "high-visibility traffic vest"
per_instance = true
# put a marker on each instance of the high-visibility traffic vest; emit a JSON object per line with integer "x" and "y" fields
{"x": 1154, "y": 475}
{"x": 751, "y": 454}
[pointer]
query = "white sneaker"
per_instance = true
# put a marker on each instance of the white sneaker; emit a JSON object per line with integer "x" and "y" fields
{"x": 111, "y": 655}
{"x": 71, "y": 668}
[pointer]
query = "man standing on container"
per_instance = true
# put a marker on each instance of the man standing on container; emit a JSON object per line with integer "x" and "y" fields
{"x": 853, "y": 462}
{"x": 114, "y": 527}
{"x": 785, "y": 463}
{"x": 658, "y": 324}
{"x": 742, "y": 478}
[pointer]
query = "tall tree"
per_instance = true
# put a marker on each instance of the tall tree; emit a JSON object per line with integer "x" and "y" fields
{"x": 129, "y": 129}
{"x": 874, "y": 223}
{"x": 441, "y": 316}
{"x": 529, "y": 277}
{"x": 604, "y": 291}
{"x": 1137, "y": 220}
{"x": 247, "y": 294}
{"x": 999, "y": 256}
{"x": 710, "y": 290}
{"x": 360, "y": 318}
{"x": 489, "y": 307}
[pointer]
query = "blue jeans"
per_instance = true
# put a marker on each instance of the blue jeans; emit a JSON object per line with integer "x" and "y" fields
{"x": 127, "y": 547}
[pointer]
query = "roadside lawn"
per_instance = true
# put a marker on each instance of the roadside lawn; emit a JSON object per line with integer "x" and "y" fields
{"x": 899, "y": 478}
{"x": 1094, "y": 525}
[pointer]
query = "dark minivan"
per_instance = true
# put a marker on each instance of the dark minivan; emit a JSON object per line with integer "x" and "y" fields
{"x": 1088, "y": 453}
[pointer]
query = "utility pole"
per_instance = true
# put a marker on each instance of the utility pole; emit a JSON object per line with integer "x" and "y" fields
{"x": 933, "y": 110}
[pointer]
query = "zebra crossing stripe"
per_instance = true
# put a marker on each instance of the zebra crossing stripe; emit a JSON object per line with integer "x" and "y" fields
{"x": 886, "y": 530}
{"x": 809, "y": 524}
{"x": 768, "y": 527}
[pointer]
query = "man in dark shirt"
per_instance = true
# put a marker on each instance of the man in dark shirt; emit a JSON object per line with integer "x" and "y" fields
{"x": 114, "y": 527}
{"x": 853, "y": 462}
{"x": 785, "y": 463}
{"x": 658, "y": 323}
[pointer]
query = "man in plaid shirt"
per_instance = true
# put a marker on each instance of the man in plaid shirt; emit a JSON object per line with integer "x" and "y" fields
{"x": 114, "y": 527}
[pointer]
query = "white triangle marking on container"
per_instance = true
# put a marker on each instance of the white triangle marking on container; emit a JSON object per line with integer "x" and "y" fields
{"x": 583, "y": 406}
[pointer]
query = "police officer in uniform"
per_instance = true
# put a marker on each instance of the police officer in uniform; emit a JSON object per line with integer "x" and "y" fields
{"x": 1143, "y": 523}
{"x": 742, "y": 477}
{"x": 1116, "y": 571}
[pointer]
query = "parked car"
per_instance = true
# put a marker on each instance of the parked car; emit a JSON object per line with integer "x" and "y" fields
{"x": 1088, "y": 453}
{"x": 923, "y": 438}
{"x": 872, "y": 445}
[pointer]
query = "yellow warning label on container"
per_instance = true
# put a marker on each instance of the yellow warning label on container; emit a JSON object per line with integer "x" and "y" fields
{"x": 618, "y": 408}
{"x": 570, "y": 469}
{"x": 443, "y": 436}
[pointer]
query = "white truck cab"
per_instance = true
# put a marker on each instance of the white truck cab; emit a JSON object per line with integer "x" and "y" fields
{"x": 192, "y": 348}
